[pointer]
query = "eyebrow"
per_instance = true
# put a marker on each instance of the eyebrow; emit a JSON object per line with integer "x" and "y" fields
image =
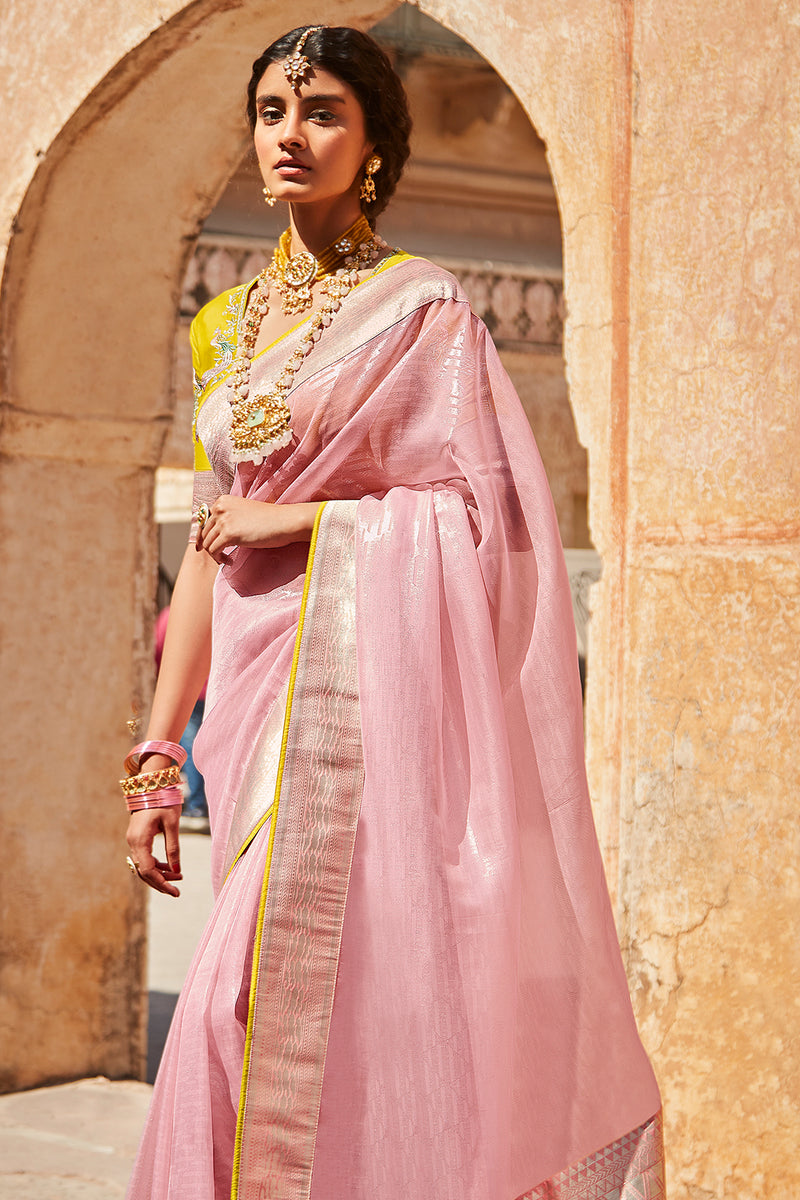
{"x": 315, "y": 98}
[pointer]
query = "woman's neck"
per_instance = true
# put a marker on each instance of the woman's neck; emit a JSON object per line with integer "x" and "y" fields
{"x": 314, "y": 227}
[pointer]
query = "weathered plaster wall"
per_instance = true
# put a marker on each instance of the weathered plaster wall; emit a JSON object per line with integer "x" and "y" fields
{"x": 673, "y": 138}
{"x": 75, "y": 521}
{"x": 710, "y": 886}
{"x": 51, "y": 57}
{"x": 96, "y": 255}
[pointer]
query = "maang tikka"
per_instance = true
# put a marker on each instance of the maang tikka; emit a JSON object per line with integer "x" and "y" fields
{"x": 297, "y": 65}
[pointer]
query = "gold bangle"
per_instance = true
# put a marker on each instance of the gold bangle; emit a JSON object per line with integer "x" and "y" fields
{"x": 150, "y": 781}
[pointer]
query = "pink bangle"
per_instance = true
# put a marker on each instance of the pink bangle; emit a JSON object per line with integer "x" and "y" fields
{"x": 164, "y": 798}
{"x": 171, "y": 749}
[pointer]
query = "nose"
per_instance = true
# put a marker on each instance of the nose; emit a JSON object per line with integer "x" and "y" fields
{"x": 292, "y": 132}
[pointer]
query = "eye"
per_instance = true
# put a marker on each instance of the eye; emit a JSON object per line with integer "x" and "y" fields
{"x": 322, "y": 115}
{"x": 270, "y": 115}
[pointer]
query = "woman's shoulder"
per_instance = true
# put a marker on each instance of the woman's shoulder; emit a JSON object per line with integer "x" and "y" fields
{"x": 401, "y": 292}
{"x": 425, "y": 280}
{"x": 221, "y": 312}
{"x": 214, "y": 333}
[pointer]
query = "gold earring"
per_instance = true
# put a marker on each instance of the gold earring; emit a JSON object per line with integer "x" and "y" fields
{"x": 268, "y": 197}
{"x": 371, "y": 167}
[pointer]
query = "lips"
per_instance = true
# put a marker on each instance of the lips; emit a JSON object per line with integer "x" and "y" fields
{"x": 289, "y": 167}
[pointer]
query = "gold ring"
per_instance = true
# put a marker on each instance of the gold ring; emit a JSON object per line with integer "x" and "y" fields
{"x": 134, "y": 867}
{"x": 203, "y": 513}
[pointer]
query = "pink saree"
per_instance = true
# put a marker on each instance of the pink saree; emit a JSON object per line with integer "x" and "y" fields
{"x": 410, "y": 987}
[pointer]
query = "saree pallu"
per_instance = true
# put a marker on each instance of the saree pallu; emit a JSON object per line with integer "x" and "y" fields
{"x": 411, "y": 985}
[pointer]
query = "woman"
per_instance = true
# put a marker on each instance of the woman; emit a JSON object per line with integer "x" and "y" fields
{"x": 410, "y": 985}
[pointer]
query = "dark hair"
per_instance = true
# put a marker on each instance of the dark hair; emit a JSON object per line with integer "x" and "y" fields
{"x": 357, "y": 60}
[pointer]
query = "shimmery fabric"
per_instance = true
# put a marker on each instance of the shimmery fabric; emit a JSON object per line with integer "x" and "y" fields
{"x": 482, "y": 1038}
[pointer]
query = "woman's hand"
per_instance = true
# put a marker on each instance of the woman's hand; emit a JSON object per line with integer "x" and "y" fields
{"x": 235, "y": 521}
{"x": 143, "y": 828}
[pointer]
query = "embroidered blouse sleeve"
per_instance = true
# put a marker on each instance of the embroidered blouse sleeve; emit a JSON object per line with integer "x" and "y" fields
{"x": 213, "y": 469}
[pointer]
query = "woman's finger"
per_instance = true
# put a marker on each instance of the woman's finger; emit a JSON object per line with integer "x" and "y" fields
{"x": 158, "y": 879}
{"x": 173, "y": 850}
{"x": 216, "y": 543}
{"x": 167, "y": 871}
{"x": 155, "y": 874}
{"x": 205, "y": 517}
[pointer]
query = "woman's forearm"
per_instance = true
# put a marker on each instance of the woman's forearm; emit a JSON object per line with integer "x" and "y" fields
{"x": 184, "y": 669}
{"x": 186, "y": 658}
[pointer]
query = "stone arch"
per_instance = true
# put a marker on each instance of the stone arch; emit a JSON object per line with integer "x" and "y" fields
{"x": 86, "y": 317}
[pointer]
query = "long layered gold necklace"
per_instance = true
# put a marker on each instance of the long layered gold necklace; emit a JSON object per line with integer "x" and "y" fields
{"x": 261, "y": 424}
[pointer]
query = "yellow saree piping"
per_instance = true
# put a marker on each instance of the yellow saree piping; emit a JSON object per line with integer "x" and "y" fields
{"x": 250, "y": 837}
{"x": 248, "y": 1045}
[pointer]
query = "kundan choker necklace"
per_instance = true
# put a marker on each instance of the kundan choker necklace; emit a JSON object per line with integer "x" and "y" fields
{"x": 261, "y": 424}
{"x": 294, "y": 276}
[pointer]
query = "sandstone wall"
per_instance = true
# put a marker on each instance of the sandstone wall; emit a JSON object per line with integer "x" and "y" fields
{"x": 708, "y": 797}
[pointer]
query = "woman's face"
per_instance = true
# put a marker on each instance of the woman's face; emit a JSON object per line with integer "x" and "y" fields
{"x": 311, "y": 142}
